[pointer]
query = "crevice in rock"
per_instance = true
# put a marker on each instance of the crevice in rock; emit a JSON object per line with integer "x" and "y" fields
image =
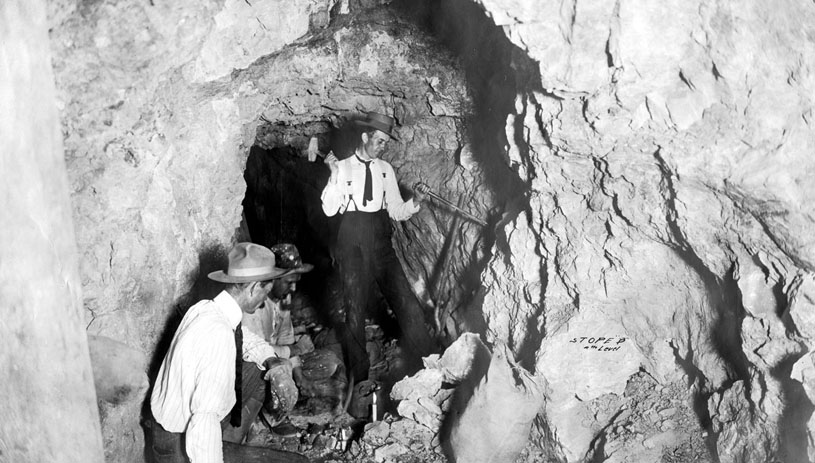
{"x": 496, "y": 71}
{"x": 539, "y": 116}
{"x": 542, "y": 443}
{"x": 499, "y": 75}
{"x": 597, "y": 447}
{"x": 727, "y": 328}
{"x": 699, "y": 397}
{"x": 601, "y": 166}
{"x": 723, "y": 295}
{"x": 798, "y": 408}
{"x": 527, "y": 348}
{"x": 520, "y": 140}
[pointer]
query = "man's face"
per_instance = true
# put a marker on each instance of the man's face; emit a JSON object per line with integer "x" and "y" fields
{"x": 285, "y": 286}
{"x": 375, "y": 144}
{"x": 257, "y": 294}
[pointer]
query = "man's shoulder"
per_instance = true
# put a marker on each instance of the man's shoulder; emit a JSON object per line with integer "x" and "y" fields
{"x": 205, "y": 311}
{"x": 383, "y": 164}
{"x": 203, "y": 305}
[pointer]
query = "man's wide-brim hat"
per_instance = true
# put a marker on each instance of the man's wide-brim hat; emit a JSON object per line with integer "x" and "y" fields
{"x": 288, "y": 258}
{"x": 249, "y": 262}
{"x": 379, "y": 122}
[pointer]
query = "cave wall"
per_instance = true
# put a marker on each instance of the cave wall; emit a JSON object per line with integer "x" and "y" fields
{"x": 647, "y": 174}
{"x": 48, "y": 405}
{"x": 667, "y": 149}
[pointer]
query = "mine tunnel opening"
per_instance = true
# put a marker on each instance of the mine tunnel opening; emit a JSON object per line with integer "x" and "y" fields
{"x": 444, "y": 255}
{"x": 285, "y": 176}
{"x": 282, "y": 201}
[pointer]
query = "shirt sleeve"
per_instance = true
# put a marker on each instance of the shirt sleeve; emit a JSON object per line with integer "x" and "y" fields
{"x": 256, "y": 349}
{"x": 332, "y": 195}
{"x": 398, "y": 209}
{"x": 213, "y": 396}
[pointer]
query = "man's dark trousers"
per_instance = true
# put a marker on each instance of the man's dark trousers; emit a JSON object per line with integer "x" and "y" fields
{"x": 365, "y": 255}
{"x": 168, "y": 447}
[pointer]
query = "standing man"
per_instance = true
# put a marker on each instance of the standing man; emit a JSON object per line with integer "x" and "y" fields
{"x": 364, "y": 190}
{"x": 196, "y": 385}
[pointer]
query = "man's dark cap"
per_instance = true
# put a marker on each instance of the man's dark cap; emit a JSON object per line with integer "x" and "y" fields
{"x": 288, "y": 257}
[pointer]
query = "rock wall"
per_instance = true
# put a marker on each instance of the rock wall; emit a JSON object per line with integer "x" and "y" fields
{"x": 47, "y": 386}
{"x": 667, "y": 150}
{"x": 644, "y": 169}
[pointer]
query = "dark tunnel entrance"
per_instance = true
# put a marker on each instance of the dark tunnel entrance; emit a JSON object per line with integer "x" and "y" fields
{"x": 282, "y": 205}
{"x": 458, "y": 147}
{"x": 285, "y": 175}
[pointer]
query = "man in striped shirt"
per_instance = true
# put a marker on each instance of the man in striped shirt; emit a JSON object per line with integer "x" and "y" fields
{"x": 195, "y": 388}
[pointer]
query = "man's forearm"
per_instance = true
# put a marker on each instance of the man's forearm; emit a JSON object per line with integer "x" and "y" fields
{"x": 203, "y": 439}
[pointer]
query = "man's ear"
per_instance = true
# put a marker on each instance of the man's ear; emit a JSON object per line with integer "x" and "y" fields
{"x": 254, "y": 286}
{"x": 365, "y": 137}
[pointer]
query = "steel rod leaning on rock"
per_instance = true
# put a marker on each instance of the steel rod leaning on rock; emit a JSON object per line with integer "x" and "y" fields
{"x": 426, "y": 190}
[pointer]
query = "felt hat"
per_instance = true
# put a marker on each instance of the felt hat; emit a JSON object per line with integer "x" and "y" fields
{"x": 379, "y": 122}
{"x": 249, "y": 262}
{"x": 288, "y": 258}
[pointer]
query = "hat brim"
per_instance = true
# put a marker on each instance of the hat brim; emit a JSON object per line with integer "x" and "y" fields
{"x": 381, "y": 127}
{"x": 304, "y": 268}
{"x": 222, "y": 277}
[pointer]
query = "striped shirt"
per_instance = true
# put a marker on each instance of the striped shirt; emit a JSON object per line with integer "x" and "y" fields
{"x": 345, "y": 192}
{"x": 194, "y": 390}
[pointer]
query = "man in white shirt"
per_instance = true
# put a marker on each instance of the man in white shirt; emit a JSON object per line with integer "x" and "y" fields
{"x": 195, "y": 388}
{"x": 364, "y": 190}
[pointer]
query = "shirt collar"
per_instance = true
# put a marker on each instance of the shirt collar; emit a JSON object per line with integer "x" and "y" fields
{"x": 359, "y": 158}
{"x": 230, "y": 308}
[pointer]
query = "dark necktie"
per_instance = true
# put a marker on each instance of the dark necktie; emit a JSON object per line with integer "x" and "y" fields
{"x": 367, "y": 193}
{"x": 235, "y": 418}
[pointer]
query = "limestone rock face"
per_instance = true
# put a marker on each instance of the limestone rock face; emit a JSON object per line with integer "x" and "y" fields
{"x": 645, "y": 171}
{"x": 670, "y": 206}
{"x": 120, "y": 379}
{"x": 48, "y": 405}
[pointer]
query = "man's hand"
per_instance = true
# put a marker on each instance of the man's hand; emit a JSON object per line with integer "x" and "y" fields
{"x": 275, "y": 366}
{"x": 420, "y": 191}
{"x": 303, "y": 345}
{"x": 282, "y": 389}
{"x": 332, "y": 161}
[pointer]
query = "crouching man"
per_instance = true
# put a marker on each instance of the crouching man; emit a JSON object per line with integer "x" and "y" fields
{"x": 293, "y": 366}
{"x": 199, "y": 380}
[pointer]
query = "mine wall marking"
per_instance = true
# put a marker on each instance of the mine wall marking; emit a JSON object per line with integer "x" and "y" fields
{"x": 599, "y": 343}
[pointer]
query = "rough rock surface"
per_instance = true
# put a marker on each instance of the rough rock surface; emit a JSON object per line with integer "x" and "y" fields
{"x": 646, "y": 169}
{"x": 666, "y": 153}
{"x": 48, "y": 407}
{"x": 120, "y": 379}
